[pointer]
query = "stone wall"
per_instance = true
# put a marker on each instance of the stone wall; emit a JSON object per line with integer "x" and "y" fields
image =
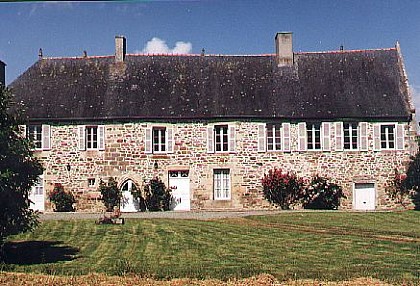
{"x": 124, "y": 158}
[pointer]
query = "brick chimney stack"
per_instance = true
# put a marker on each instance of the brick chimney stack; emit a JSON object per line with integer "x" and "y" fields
{"x": 284, "y": 49}
{"x": 2, "y": 73}
{"x": 120, "y": 48}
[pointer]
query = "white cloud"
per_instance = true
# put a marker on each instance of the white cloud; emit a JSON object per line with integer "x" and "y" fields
{"x": 158, "y": 46}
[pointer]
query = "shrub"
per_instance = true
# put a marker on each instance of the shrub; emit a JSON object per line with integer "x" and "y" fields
{"x": 322, "y": 194}
{"x": 156, "y": 196}
{"x": 282, "y": 189}
{"x": 62, "y": 200}
{"x": 398, "y": 189}
{"x": 111, "y": 195}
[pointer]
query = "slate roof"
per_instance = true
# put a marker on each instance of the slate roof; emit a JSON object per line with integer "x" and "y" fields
{"x": 324, "y": 85}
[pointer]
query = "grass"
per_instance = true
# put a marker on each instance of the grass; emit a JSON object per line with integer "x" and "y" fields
{"x": 313, "y": 245}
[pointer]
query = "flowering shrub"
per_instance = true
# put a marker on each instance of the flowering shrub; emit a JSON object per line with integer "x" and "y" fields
{"x": 62, "y": 200}
{"x": 323, "y": 194}
{"x": 282, "y": 189}
{"x": 398, "y": 189}
{"x": 111, "y": 195}
{"x": 156, "y": 196}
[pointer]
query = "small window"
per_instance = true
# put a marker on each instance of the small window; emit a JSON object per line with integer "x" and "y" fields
{"x": 273, "y": 137}
{"x": 313, "y": 132}
{"x": 222, "y": 184}
{"x": 91, "y": 182}
{"x": 221, "y": 138}
{"x": 34, "y": 133}
{"x": 350, "y": 136}
{"x": 388, "y": 136}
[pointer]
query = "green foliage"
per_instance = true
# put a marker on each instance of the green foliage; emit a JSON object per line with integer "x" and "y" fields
{"x": 397, "y": 189}
{"x": 18, "y": 172}
{"x": 111, "y": 195}
{"x": 62, "y": 200}
{"x": 156, "y": 196}
{"x": 412, "y": 182}
{"x": 283, "y": 189}
{"x": 322, "y": 194}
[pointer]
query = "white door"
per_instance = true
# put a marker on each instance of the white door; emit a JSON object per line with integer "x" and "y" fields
{"x": 179, "y": 184}
{"x": 364, "y": 197}
{"x": 36, "y": 196}
{"x": 128, "y": 202}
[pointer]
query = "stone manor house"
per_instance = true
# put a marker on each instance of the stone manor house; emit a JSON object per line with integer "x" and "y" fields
{"x": 210, "y": 126}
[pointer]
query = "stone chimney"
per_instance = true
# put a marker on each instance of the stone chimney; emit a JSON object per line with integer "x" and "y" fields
{"x": 2, "y": 73}
{"x": 120, "y": 48}
{"x": 284, "y": 49}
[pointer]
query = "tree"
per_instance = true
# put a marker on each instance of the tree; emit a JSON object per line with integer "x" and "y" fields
{"x": 412, "y": 181}
{"x": 19, "y": 170}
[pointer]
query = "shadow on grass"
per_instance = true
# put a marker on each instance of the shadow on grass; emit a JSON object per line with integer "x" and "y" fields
{"x": 36, "y": 252}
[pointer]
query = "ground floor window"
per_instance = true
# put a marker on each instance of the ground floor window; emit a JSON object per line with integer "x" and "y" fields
{"x": 38, "y": 188}
{"x": 221, "y": 184}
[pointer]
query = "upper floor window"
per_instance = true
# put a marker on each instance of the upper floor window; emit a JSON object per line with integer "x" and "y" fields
{"x": 40, "y": 136}
{"x": 159, "y": 139}
{"x": 221, "y": 184}
{"x": 350, "y": 136}
{"x": 91, "y": 137}
{"x": 35, "y": 135}
{"x": 314, "y": 136}
{"x": 273, "y": 137}
{"x": 221, "y": 138}
{"x": 313, "y": 133}
{"x": 387, "y": 136}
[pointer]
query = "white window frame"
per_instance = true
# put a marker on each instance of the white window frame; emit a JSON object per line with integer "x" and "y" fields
{"x": 221, "y": 184}
{"x": 212, "y": 138}
{"x": 85, "y": 137}
{"x": 43, "y": 132}
{"x": 313, "y": 131}
{"x": 352, "y": 139}
{"x": 161, "y": 142}
{"x": 38, "y": 187}
{"x": 34, "y": 134}
{"x": 277, "y": 140}
{"x": 398, "y": 134}
{"x": 222, "y": 136}
{"x": 91, "y": 137}
{"x": 164, "y": 132}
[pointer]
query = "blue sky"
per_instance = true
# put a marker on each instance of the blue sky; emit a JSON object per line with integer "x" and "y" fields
{"x": 220, "y": 27}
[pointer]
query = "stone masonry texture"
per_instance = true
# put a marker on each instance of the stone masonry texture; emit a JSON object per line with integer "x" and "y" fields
{"x": 124, "y": 158}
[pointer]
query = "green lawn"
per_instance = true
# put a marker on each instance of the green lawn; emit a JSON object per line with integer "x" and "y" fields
{"x": 314, "y": 245}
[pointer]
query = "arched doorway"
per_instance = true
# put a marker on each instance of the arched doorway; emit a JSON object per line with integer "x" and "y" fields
{"x": 128, "y": 202}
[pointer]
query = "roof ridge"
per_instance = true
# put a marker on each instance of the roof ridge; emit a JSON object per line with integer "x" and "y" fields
{"x": 347, "y": 51}
{"x": 218, "y": 55}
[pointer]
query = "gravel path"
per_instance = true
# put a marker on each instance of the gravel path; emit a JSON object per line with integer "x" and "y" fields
{"x": 198, "y": 215}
